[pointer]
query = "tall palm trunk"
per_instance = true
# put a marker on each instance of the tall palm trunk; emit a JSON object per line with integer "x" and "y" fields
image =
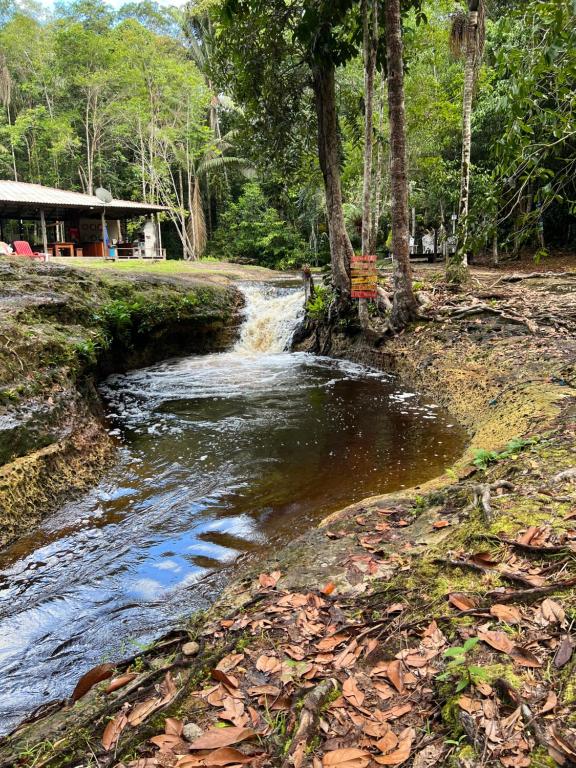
{"x": 378, "y": 180}
{"x": 467, "y": 39}
{"x": 341, "y": 252}
{"x": 370, "y": 25}
{"x": 404, "y": 308}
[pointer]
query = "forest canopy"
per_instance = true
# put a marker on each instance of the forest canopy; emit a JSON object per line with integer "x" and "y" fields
{"x": 163, "y": 104}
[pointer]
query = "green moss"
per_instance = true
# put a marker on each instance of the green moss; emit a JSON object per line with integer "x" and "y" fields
{"x": 451, "y": 714}
{"x": 505, "y": 672}
{"x": 540, "y": 758}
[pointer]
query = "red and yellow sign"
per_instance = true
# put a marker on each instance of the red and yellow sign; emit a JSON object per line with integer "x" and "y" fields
{"x": 364, "y": 277}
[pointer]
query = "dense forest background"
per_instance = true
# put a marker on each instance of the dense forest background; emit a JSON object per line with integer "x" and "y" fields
{"x": 153, "y": 103}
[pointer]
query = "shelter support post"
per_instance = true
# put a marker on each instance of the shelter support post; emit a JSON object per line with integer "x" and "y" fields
{"x": 158, "y": 234}
{"x": 43, "y": 229}
{"x": 104, "y": 246}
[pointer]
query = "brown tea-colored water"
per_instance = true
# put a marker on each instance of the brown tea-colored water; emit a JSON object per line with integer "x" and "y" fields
{"x": 220, "y": 455}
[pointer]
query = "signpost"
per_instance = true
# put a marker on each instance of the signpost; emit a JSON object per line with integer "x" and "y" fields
{"x": 364, "y": 277}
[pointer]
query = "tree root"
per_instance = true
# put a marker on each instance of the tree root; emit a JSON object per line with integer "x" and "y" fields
{"x": 480, "y": 308}
{"x": 534, "y": 593}
{"x": 517, "y": 277}
{"x": 384, "y": 300}
{"x": 566, "y": 474}
{"x": 309, "y": 717}
{"x": 561, "y": 549}
{"x": 482, "y": 494}
{"x": 515, "y": 578}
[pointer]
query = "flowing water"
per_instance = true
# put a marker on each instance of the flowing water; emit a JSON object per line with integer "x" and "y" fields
{"x": 220, "y": 455}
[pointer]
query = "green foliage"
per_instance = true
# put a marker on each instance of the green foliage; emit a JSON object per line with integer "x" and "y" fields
{"x": 483, "y": 458}
{"x": 318, "y": 307}
{"x": 253, "y": 231}
{"x": 125, "y": 320}
{"x": 458, "y": 670}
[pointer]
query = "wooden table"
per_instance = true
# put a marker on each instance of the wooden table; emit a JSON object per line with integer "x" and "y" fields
{"x": 57, "y": 249}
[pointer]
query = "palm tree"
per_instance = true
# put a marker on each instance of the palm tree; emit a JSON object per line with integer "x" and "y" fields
{"x": 5, "y": 100}
{"x": 370, "y": 42}
{"x": 467, "y": 37}
{"x": 405, "y": 307}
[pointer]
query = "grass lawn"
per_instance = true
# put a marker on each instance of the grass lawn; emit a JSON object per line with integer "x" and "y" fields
{"x": 220, "y": 271}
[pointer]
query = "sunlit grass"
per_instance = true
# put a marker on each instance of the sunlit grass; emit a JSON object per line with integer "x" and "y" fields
{"x": 207, "y": 266}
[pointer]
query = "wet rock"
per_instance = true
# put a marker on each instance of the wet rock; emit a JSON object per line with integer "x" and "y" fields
{"x": 191, "y": 732}
{"x": 191, "y": 648}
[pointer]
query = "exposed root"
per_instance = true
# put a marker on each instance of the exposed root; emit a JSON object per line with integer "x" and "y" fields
{"x": 309, "y": 717}
{"x": 566, "y": 474}
{"x": 515, "y": 578}
{"x": 458, "y": 313}
{"x": 517, "y": 277}
{"x": 534, "y": 593}
{"x": 482, "y": 496}
{"x": 540, "y": 551}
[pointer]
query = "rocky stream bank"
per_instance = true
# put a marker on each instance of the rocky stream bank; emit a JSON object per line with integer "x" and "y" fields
{"x": 61, "y": 330}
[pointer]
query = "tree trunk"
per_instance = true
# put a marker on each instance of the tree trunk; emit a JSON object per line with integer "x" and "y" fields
{"x": 370, "y": 25}
{"x": 404, "y": 309}
{"x": 328, "y": 153}
{"x": 457, "y": 265}
{"x": 183, "y": 234}
{"x": 379, "y": 172}
{"x": 495, "y": 247}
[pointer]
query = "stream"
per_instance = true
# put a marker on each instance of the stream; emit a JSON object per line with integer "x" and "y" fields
{"x": 220, "y": 456}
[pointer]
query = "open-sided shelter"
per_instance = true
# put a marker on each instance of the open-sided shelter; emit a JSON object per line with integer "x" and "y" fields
{"x": 62, "y": 223}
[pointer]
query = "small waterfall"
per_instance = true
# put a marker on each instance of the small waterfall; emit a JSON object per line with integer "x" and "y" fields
{"x": 271, "y": 316}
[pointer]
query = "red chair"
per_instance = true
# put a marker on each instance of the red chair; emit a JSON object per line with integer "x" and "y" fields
{"x": 22, "y": 248}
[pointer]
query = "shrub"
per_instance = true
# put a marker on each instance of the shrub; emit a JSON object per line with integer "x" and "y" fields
{"x": 252, "y": 231}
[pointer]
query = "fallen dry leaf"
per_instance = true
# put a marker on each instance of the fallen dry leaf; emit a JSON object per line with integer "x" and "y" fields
{"x": 90, "y": 679}
{"x": 346, "y": 758}
{"x": 564, "y": 652}
{"x": 395, "y": 712}
{"x": 484, "y": 559}
{"x": 428, "y": 757}
{"x": 461, "y": 601}
{"x": 498, "y": 640}
{"x": 329, "y": 643}
{"x": 552, "y": 612}
{"x": 396, "y": 676}
{"x": 550, "y": 703}
{"x": 143, "y": 710}
{"x": 120, "y": 682}
{"x": 227, "y": 756}
{"x": 173, "y": 726}
{"x": 229, "y": 662}
{"x": 507, "y": 613}
{"x": 168, "y": 688}
{"x": 229, "y": 680}
{"x": 268, "y": 664}
{"x": 388, "y": 742}
{"x": 524, "y": 657}
{"x": 352, "y": 693}
{"x": 269, "y": 580}
{"x": 222, "y": 737}
{"x": 401, "y": 754}
{"x": 441, "y": 524}
{"x": 113, "y": 730}
{"x": 169, "y": 742}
